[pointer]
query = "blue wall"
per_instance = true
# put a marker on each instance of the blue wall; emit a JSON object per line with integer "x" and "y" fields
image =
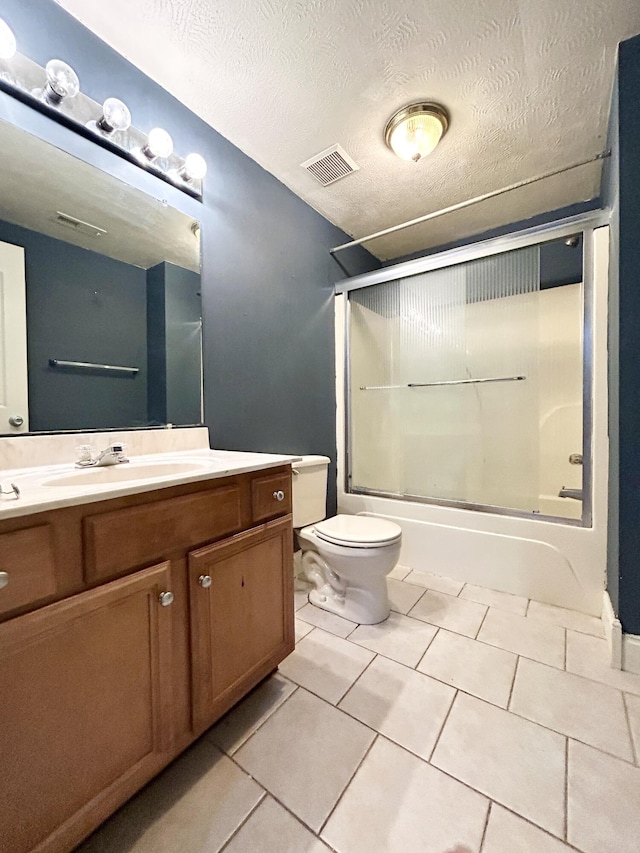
{"x": 623, "y": 190}
{"x": 267, "y": 275}
{"x": 174, "y": 311}
{"x": 82, "y": 306}
{"x": 502, "y": 230}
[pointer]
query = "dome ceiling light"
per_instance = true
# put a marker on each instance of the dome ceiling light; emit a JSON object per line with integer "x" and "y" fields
{"x": 414, "y": 131}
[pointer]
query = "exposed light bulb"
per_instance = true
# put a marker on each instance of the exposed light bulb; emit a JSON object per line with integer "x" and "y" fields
{"x": 159, "y": 144}
{"x": 7, "y": 41}
{"x": 194, "y": 169}
{"x": 62, "y": 82}
{"x": 115, "y": 116}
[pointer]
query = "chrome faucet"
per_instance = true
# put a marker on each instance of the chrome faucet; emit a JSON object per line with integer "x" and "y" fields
{"x": 112, "y": 455}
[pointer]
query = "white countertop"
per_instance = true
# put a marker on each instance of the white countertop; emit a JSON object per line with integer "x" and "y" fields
{"x": 53, "y": 486}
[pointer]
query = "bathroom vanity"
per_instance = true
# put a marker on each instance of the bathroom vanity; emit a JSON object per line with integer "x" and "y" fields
{"x": 130, "y": 622}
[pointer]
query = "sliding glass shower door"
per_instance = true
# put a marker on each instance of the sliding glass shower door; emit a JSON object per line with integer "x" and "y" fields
{"x": 466, "y": 386}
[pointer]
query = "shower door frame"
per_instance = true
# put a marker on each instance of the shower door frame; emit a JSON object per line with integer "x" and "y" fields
{"x": 584, "y": 223}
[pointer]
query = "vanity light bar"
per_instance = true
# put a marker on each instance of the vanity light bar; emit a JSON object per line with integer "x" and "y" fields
{"x": 55, "y": 91}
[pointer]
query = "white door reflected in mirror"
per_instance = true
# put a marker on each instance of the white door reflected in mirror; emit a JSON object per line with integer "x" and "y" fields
{"x": 14, "y": 412}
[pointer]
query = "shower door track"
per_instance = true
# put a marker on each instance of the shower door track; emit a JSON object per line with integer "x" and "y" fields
{"x": 462, "y": 504}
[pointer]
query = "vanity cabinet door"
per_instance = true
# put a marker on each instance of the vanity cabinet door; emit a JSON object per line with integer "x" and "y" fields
{"x": 241, "y": 597}
{"x": 84, "y": 713}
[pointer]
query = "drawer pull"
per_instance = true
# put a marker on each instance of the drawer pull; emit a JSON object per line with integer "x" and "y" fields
{"x": 4, "y": 579}
{"x": 279, "y": 495}
{"x": 205, "y": 581}
{"x": 165, "y": 598}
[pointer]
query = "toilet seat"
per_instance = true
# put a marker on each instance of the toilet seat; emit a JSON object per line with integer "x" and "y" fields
{"x": 358, "y": 531}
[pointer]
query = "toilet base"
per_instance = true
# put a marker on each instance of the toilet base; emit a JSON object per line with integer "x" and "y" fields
{"x": 350, "y": 582}
{"x": 350, "y": 607}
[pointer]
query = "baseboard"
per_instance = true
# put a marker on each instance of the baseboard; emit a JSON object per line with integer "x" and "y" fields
{"x": 612, "y": 632}
{"x": 631, "y": 653}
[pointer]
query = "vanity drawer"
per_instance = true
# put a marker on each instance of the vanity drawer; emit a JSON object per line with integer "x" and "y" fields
{"x": 271, "y": 496}
{"x": 27, "y": 570}
{"x": 135, "y": 536}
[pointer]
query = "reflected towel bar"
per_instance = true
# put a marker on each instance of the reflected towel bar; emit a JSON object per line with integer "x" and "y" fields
{"x": 451, "y": 382}
{"x": 88, "y": 365}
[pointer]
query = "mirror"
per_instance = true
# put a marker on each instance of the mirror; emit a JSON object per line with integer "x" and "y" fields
{"x": 100, "y": 312}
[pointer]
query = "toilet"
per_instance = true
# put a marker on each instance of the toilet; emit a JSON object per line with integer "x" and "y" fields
{"x": 348, "y": 557}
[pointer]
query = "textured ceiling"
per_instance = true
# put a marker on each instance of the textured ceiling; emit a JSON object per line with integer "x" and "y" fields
{"x": 527, "y": 84}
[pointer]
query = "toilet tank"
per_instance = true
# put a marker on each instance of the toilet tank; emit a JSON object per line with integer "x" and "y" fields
{"x": 309, "y": 489}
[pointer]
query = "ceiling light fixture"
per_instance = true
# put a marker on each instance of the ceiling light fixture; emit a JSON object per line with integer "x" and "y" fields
{"x": 414, "y": 131}
{"x": 7, "y": 41}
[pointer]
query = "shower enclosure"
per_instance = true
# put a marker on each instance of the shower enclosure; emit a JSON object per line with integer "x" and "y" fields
{"x": 466, "y": 384}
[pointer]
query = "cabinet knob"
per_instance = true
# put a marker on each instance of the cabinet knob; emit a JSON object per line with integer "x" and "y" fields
{"x": 279, "y": 495}
{"x": 16, "y": 420}
{"x": 205, "y": 581}
{"x": 4, "y": 579}
{"x": 165, "y": 598}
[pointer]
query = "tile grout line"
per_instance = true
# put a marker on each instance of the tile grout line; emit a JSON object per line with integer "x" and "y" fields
{"x": 423, "y": 656}
{"x": 521, "y": 716}
{"x": 351, "y": 686}
{"x": 444, "y": 723}
{"x": 274, "y": 797}
{"x": 536, "y": 826}
{"x": 634, "y": 751}
{"x": 513, "y": 684}
{"x": 447, "y": 773}
{"x": 255, "y": 731}
{"x": 232, "y": 757}
{"x": 486, "y": 826}
{"x": 378, "y": 735}
{"x": 406, "y": 749}
{"x": 478, "y": 639}
{"x": 475, "y": 636}
{"x": 246, "y": 818}
{"x": 346, "y": 787}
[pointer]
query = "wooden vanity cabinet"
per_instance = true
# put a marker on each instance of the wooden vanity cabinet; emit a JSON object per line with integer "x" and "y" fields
{"x": 102, "y": 687}
{"x": 85, "y": 713}
{"x": 241, "y": 587}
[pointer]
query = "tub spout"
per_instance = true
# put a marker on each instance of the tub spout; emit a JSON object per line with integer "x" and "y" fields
{"x": 576, "y": 494}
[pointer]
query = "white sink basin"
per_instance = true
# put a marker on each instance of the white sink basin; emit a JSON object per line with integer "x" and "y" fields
{"x": 125, "y": 473}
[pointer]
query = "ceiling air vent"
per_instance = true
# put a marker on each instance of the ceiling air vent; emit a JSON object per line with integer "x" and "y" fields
{"x": 80, "y": 225}
{"x": 330, "y": 165}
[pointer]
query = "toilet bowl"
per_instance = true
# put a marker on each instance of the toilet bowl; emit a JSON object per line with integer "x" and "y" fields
{"x": 346, "y": 557}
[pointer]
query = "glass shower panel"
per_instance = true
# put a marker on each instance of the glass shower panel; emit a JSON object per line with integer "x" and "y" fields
{"x": 465, "y": 385}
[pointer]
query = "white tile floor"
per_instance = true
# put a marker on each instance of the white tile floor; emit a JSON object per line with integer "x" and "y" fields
{"x": 471, "y": 721}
